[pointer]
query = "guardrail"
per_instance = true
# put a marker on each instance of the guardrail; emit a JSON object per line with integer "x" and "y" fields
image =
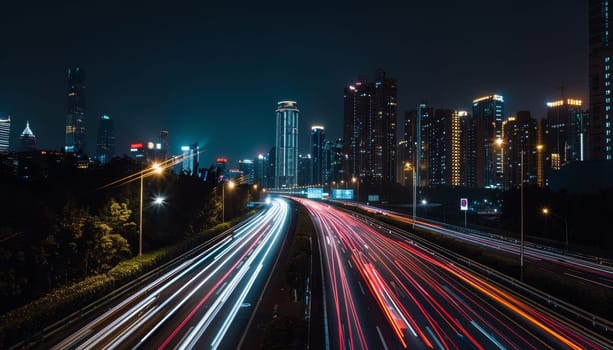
{"x": 78, "y": 316}
{"x": 598, "y": 326}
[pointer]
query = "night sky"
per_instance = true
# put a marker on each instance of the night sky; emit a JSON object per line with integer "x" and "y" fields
{"x": 214, "y": 74}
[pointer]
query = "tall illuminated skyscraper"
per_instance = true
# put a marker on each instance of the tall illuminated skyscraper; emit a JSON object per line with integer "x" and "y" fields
{"x": 75, "y": 114}
{"x": 370, "y": 130}
{"x": 485, "y": 155}
{"x": 105, "y": 145}
{"x": 5, "y": 133}
{"x": 600, "y": 140}
{"x": 286, "y": 167}
{"x": 318, "y": 158}
{"x": 564, "y": 130}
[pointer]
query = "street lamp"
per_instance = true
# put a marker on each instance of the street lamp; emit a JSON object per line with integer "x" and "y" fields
{"x": 521, "y": 215}
{"x": 547, "y": 212}
{"x": 223, "y": 198}
{"x": 155, "y": 169}
{"x": 500, "y": 172}
{"x": 355, "y": 181}
{"x": 408, "y": 166}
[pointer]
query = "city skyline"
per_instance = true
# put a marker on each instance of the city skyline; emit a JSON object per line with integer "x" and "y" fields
{"x": 184, "y": 69}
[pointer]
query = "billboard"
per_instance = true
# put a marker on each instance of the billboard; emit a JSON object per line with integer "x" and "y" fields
{"x": 342, "y": 194}
{"x": 373, "y": 197}
{"x": 315, "y": 192}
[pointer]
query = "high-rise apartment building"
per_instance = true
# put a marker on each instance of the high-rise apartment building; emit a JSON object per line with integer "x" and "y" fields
{"x": 5, "y": 134}
{"x": 27, "y": 140}
{"x": 564, "y": 131}
{"x": 440, "y": 134}
{"x": 600, "y": 130}
{"x": 75, "y": 114}
{"x": 521, "y": 134}
{"x": 369, "y": 130}
{"x": 318, "y": 159}
{"x": 105, "y": 143}
{"x": 485, "y": 150}
{"x": 286, "y": 166}
{"x": 418, "y": 123}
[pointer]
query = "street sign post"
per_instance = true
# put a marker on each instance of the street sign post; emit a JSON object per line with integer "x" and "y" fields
{"x": 464, "y": 207}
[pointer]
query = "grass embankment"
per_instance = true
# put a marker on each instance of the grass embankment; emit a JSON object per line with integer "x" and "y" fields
{"x": 30, "y": 320}
{"x": 583, "y": 294}
{"x": 289, "y": 329}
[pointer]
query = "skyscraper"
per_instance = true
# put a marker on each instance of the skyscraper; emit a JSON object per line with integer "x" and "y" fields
{"x": 484, "y": 153}
{"x": 286, "y": 166}
{"x": 27, "y": 139}
{"x": 105, "y": 144}
{"x": 520, "y": 134}
{"x": 370, "y": 129}
{"x": 564, "y": 130}
{"x": 75, "y": 114}
{"x": 164, "y": 145}
{"x": 318, "y": 158}
{"x": 5, "y": 133}
{"x": 247, "y": 167}
{"x": 600, "y": 53}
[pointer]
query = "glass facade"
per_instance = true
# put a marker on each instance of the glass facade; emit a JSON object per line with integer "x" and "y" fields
{"x": 286, "y": 166}
{"x": 75, "y": 114}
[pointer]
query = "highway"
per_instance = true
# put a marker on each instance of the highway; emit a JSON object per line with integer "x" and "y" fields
{"x": 386, "y": 292}
{"x": 204, "y": 303}
{"x": 593, "y": 270}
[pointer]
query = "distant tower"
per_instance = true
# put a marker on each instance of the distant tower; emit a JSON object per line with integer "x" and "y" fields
{"x": 164, "y": 142}
{"x": 286, "y": 167}
{"x": 27, "y": 139}
{"x": 600, "y": 125}
{"x": 485, "y": 155}
{"x": 317, "y": 155}
{"x": 75, "y": 114}
{"x": 5, "y": 133}
{"x": 105, "y": 146}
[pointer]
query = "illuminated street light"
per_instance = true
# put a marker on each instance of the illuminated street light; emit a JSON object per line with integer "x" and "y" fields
{"x": 223, "y": 198}
{"x": 159, "y": 200}
{"x": 407, "y": 167}
{"x": 355, "y": 181}
{"x": 548, "y": 212}
{"x": 155, "y": 169}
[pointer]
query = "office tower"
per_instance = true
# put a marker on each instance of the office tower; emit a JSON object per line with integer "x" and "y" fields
{"x": 191, "y": 159}
{"x": 520, "y": 134}
{"x": 336, "y": 169}
{"x": 75, "y": 114}
{"x": 304, "y": 169}
{"x": 260, "y": 173}
{"x": 270, "y": 170}
{"x": 564, "y": 130}
{"x": 105, "y": 144}
{"x": 5, "y": 134}
{"x": 600, "y": 53}
{"x": 318, "y": 158}
{"x": 27, "y": 140}
{"x": 164, "y": 145}
{"x": 485, "y": 153}
{"x": 369, "y": 130}
{"x": 286, "y": 166}
{"x": 247, "y": 168}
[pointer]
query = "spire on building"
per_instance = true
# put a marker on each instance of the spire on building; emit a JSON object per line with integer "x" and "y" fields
{"x": 27, "y": 139}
